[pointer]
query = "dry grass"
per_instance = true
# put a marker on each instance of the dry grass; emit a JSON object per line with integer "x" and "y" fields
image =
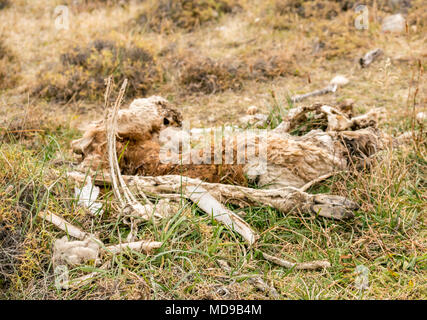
{"x": 213, "y": 61}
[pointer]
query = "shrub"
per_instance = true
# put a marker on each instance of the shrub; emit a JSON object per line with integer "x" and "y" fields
{"x": 166, "y": 15}
{"x": 9, "y": 67}
{"x": 268, "y": 65}
{"x": 201, "y": 74}
{"x": 90, "y": 5}
{"x": 207, "y": 75}
{"x": 81, "y": 71}
{"x": 4, "y": 4}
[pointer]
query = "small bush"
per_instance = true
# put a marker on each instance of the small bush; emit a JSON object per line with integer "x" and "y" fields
{"x": 81, "y": 71}
{"x": 330, "y": 9}
{"x": 417, "y": 14}
{"x": 4, "y": 4}
{"x": 306, "y": 9}
{"x": 268, "y": 65}
{"x": 90, "y": 5}
{"x": 199, "y": 74}
{"x": 9, "y": 67}
{"x": 166, "y": 15}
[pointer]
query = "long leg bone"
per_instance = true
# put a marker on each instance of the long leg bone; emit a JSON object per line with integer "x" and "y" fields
{"x": 137, "y": 246}
{"x": 283, "y": 199}
{"x": 212, "y": 207}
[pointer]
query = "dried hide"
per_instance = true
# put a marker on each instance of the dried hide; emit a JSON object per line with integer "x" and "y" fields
{"x": 140, "y": 123}
{"x": 291, "y": 161}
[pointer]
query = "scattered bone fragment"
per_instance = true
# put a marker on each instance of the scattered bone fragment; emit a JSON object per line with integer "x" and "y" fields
{"x": 64, "y": 225}
{"x": 313, "y": 265}
{"x": 337, "y": 81}
{"x": 143, "y": 245}
{"x": 421, "y": 117}
{"x": 67, "y": 284}
{"x": 261, "y": 285}
{"x": 328, "y": 89}
{"x": 257, "y": 120}
{"x": 394, "y": 23}
{"x": 252, "y": 110}
{"x": 87, "y": 197}
{"x": 76, "y": 283}
{"x": 370, "y": 57}
{"x": 88, "y": 246}
{"x": 336, "y": 119}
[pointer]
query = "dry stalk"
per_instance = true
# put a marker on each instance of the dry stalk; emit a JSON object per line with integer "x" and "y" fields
{"x": 64, "y": 225}
{"x": 131, "y": 207}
